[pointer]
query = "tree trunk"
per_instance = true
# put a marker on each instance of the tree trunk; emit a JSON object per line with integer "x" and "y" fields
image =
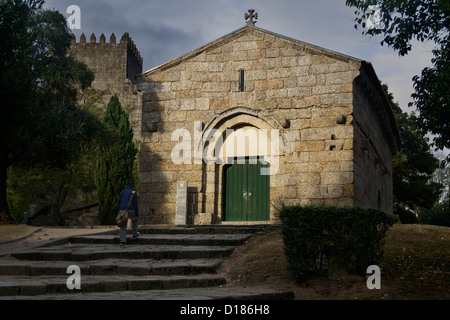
{"x": 56, "y": 207}
{"x": 4, "y": 210}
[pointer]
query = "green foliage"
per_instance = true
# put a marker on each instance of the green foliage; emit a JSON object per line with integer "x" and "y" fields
{"x": 438, "y": 215}
{"x": 52, "y": 188}
{"x": 442, "y": 176}
{"x": 423, "y": 20}
{"x": 115, "y": 162}
{"x": 432, "y": 97}
{"x": 403, "y": 21}
{"x": 352, "y": 237}
{"x": 405, "y": 216}
{"x": 413, "y": 167}
{"x": 40, "y": 123}
{"x": 39, "y": 87}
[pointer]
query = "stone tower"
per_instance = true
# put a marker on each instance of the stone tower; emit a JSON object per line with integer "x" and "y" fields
{"x": 116, "y": 66}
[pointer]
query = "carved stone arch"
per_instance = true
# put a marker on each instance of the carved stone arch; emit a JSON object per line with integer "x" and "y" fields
{"x": 222, "y": 117}
{"x": 233, "y": 117}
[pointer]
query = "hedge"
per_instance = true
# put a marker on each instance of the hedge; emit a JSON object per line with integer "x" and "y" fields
{"x": 439, "y": 215}
{"x": 316, "y": 236}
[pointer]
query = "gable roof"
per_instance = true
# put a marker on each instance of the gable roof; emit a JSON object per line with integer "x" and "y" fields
{"x": 236, "y": 34}
{"x": 302, "y": 46}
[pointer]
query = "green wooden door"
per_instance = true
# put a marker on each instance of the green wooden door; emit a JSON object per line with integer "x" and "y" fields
{"x": 247, "y": 193}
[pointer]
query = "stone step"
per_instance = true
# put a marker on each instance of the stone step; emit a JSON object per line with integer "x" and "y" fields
{"x": 41, "y": 285}
{"x": 207, "y": 229}
{"x": 163, "y": 263}
{"x": 83, "y": 252}
{"x": 168, "y": 239}
{"x": 137, "y": 267}
{"x": 209, "y": 293}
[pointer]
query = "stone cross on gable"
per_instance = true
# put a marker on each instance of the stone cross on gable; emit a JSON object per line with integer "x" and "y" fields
{"x": 250, "y": 16}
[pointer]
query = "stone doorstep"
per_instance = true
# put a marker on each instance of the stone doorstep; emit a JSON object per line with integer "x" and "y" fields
{"x": 40, "y": 285}
{"x": 137, "y": 267}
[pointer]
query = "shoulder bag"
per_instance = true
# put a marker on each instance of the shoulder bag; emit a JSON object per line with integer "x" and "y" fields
{"x": 122, "y": 216}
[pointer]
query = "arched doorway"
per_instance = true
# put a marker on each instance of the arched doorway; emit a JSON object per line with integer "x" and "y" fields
{"x": 241, "y": 153}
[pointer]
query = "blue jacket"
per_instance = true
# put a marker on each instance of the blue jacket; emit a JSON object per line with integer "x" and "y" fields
{"x": 123, "y": 201}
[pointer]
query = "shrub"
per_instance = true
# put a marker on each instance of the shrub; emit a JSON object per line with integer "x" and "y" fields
{"x": 406, "y": 216}
{"x": 439, "y": 215}
{"x": 351, "y": 237}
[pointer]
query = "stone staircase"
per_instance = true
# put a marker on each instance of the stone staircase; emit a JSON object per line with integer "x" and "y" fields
{"x": 163, "y": 263}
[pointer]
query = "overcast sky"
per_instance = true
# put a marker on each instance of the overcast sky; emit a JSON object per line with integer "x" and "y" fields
{"x": 166, "y": 29}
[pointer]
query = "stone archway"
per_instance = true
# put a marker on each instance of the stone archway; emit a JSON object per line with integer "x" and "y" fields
{"x": 231, "y": 113}
{"x": 247, "y": 137}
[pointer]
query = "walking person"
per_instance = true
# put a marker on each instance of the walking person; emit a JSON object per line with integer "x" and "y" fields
{"x": 133, "y": 212}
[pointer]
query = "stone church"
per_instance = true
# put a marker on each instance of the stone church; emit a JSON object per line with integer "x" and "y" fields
{"x": 230, "y": 131}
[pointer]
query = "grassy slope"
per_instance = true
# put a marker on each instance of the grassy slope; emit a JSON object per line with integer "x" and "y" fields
{"x": 416, "y": 265}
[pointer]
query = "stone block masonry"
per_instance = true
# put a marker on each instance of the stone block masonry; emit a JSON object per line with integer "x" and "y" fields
{"x": 310, "y": 94}
{"x": 116, "y": 66}
{"x": 335, "y": 129}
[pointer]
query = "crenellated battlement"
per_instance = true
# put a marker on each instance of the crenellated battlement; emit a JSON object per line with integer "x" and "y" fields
{"x": 112, "y": 62}
{"x": 115, "y": 65}
{"x": 124, "y": 41}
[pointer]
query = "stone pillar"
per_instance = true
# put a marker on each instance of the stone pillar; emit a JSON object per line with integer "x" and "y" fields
{"x": 181, "y": 206}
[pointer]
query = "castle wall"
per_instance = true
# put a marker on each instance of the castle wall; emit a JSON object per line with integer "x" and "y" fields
{"x": 115, "y": 66}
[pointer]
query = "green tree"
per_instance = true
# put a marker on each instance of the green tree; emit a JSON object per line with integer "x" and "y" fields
{"x": 115, "y": 161}
{"x": 413, "y": 167}
{"x": 40, "y": 120}
{"x": 52, "y": 190}
{"x": 442, "y": 176}
{"x": 401, "y": 21}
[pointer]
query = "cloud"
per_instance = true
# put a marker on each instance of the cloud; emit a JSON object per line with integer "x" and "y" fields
{"x": 398, "y": 71}
{"x": 173, "y": 40}
{"x": 164, "y": 30}
{"x": 147, "y": 23}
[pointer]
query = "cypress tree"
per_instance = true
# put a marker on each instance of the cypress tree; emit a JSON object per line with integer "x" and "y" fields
{"x": 115, "y": 160}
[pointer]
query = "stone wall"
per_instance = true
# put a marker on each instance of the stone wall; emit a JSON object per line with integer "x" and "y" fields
{"x": 115, "y": 65}
{"x": 335, "y": 130}
{"x": 305, "y": 92}
{"x": 376, "y": 140}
